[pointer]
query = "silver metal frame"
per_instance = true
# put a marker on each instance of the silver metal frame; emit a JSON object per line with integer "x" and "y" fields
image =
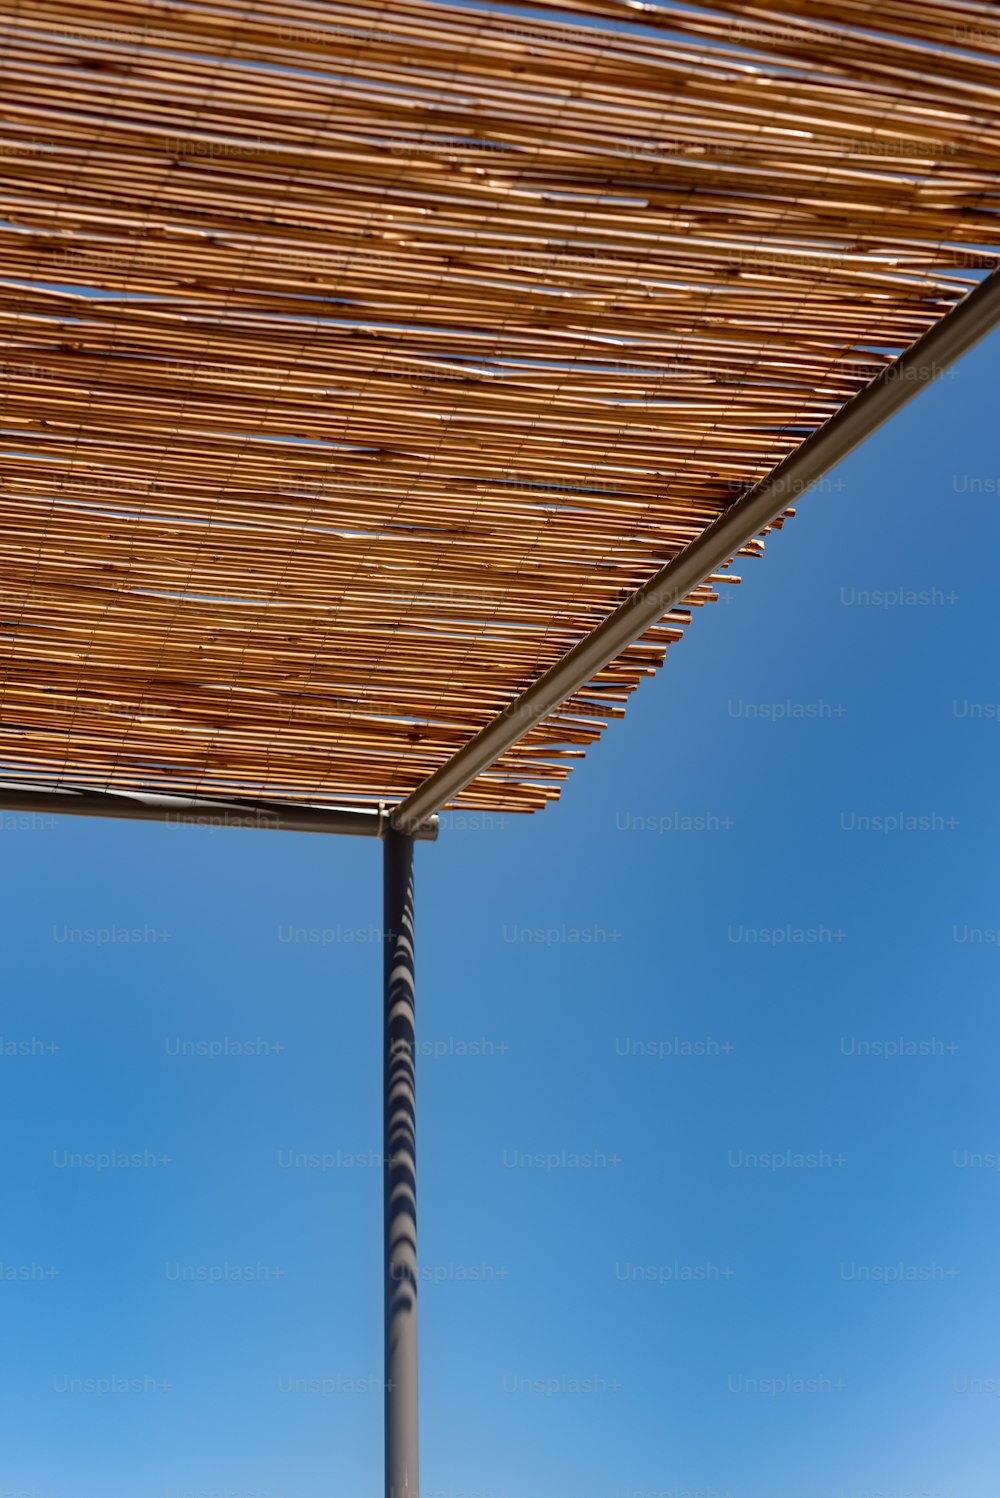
{"x": 898, "y": 383}
{"x": 202, "y": 811}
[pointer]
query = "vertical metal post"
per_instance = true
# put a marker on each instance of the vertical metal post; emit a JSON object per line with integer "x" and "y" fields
{"x": 399, "y": 1172}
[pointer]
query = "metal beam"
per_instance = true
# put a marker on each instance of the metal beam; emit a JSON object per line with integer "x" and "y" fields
{"x": 399, "y": 1171}
{"x": 201, "y": 811}
{"x": 933, "y": 353}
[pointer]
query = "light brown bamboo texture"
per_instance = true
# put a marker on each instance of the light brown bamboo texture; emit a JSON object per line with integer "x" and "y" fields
{"x": 357, "y": 360}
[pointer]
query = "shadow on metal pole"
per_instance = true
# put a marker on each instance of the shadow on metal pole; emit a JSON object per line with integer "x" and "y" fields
{"x": 399, "y": 1172}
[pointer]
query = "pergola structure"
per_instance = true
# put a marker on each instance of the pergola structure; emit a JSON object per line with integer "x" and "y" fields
{"x": 384, "y": 385}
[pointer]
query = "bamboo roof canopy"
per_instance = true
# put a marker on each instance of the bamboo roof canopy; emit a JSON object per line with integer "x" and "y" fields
{"x": 358, "y": 359}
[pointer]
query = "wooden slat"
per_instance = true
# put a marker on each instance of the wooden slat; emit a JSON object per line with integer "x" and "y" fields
{"x": 356, "y": 361}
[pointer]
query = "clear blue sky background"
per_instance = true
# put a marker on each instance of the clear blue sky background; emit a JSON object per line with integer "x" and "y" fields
{"x": 533, "y": 1272}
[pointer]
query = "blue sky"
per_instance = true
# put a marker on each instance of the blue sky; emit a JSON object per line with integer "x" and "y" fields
{"x": 683, "y": 1228}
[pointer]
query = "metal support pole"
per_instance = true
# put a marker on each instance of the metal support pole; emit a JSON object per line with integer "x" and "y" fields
{"x": 399, "y": 1172}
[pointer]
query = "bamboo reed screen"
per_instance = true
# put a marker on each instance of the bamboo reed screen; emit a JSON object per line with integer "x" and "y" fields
{"x": 359, "y": 358}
